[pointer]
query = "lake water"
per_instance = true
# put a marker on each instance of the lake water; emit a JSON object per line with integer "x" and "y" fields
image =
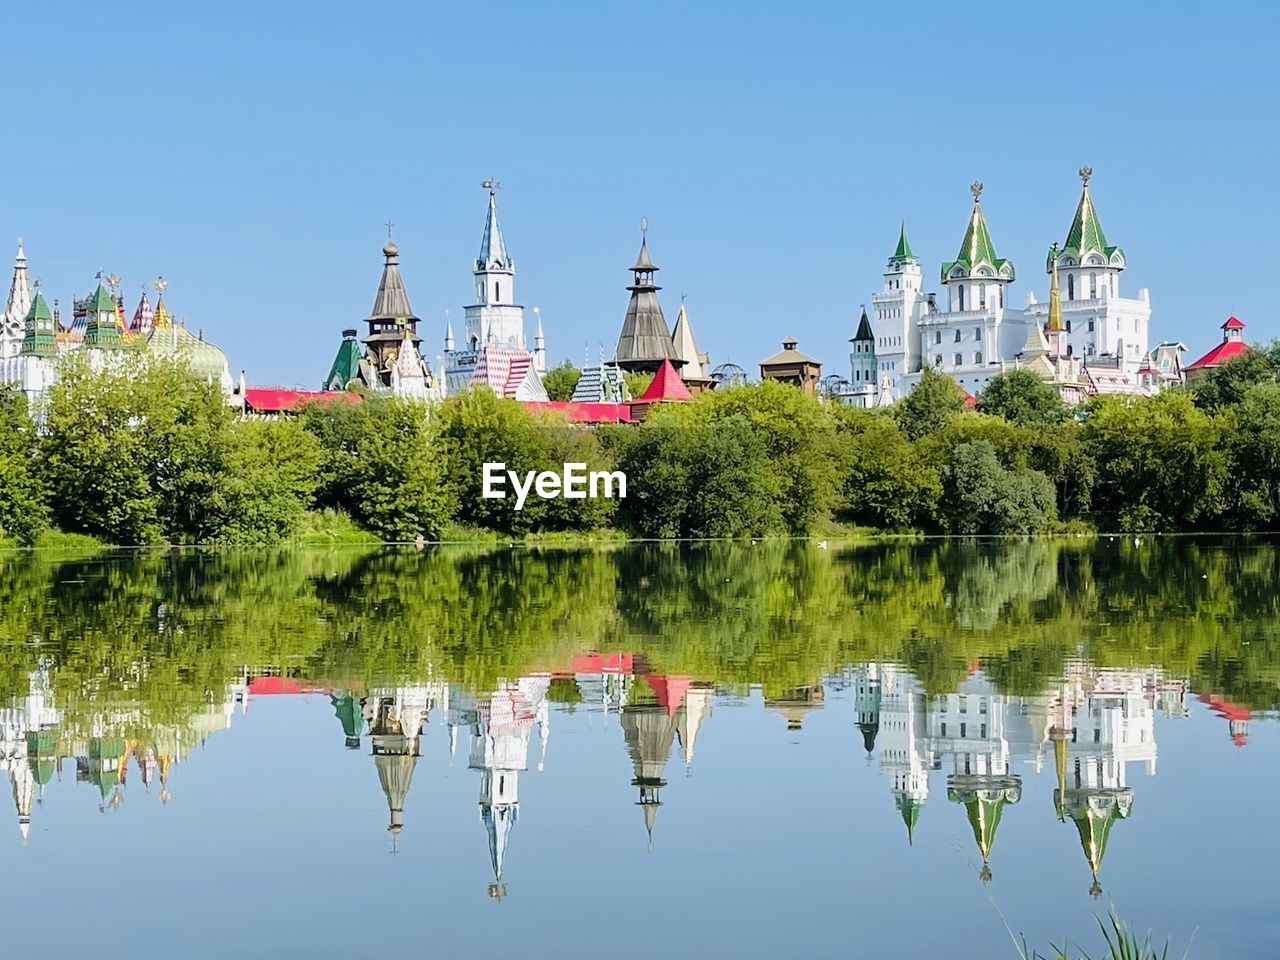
{"x": 643, "y": 751}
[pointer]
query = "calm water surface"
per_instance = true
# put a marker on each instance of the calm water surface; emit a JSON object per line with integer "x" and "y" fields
{"x": 649, "y": 751}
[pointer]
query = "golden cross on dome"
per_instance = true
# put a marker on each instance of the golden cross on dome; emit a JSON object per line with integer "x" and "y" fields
{"x": 976, "y": 189}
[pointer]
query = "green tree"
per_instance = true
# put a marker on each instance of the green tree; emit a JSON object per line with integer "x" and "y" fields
{"x": 637, "y": 383}
{"x": 1255, "y": 452}
{"x": 1060, "y": 453}
{"x": 24, "y": 512}
{"x": 136, "y": 452}
{"x": 1160, "y": 465}
{"x": 560, "y": 380}
{"x": 932, "y": 403}
{"x": 1227, "y": 385}
{"x": 980, "y": 495}
{"x": 479, "y": 428}
{"x": 384, "y": 461}
{"x": 1022, "y": 398}
{"x": 887, "y": 482}
{"x": 686, "y": 479}
{"x": 802, "y": 455}
{"x": 271, "y": 477}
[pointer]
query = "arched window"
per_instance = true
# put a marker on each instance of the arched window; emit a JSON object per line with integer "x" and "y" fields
{"x": 937, "y": 361}
{"x": 957, "y": 336}
{"x": 1093, "y": 285}
{"x": 1071, "y": 286}
{"x": 496, "y": 296}
{"x": 977, "y": 359}
{"x": 937, "y": 338}
{"x": 982, "y": 296}
{"x": 962, "y": 296}
{"x": 959, "y": 359}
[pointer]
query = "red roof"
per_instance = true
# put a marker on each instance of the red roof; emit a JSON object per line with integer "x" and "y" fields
{"x": 279, "y": 400}
{"x": 1233, "y": 324}
{"x": 1220, "y": 354}
{"x": 280, "y": 686}
{"x": 619, "y": 663}
{"x": 969, "y": 399}
{"x": 669, "y": 691}
{"x": 587, "y": 412}
{"x": 666, "y": 385}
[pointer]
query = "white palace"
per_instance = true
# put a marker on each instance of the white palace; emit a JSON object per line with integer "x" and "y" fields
{"x": 1085, "y": 338}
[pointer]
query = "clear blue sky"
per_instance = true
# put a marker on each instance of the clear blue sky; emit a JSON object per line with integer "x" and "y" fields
{"x": 251, "y": 152}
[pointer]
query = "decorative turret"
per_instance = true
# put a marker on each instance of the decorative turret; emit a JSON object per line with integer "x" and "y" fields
{"x": 976, "y": 278}
{"x": 902, "y": 255}
{"x": 391, "y": 312}
{"x": 17, "y": 307}
{"x": 143, "y": 317}
{"x": 644, "y": 341}
{"x": 346, "y": 365}
{"x": 495, "y": 318}
{"x": 101, "y": 322}
{"x": 984, "y": 798}
{"x": 1090, "y": 264}
{"x": 694, "y": 371}
{"x": 1094, "y": 811}
{"x": 40, "y": 334}
{"x": 862, "y": 360}
{"x": 161, "y": 316}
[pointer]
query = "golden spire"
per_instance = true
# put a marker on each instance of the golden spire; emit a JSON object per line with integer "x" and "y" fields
{"x": 1055, "y": 299}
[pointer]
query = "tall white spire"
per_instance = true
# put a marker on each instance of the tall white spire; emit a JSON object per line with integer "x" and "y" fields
{"x": 495, "y": 318}
{"x": 539, "y": 344}
{"x": 448, "y": 332}
{"x": 19, "y": 303}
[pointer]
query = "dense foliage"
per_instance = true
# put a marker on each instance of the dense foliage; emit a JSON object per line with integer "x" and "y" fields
{"x": 144, "y": 452}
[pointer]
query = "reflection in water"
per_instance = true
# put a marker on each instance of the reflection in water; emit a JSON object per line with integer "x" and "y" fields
{"x": 1007, "y": 673}
{"x": 1088, "y": 726}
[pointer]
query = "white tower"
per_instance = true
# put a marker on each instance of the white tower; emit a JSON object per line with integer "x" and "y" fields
{"x": 897, "y": 308}
{"x": 863, "y": 369}
{"x": 539, "y": 345}
{"x": 495, "y": 318}
{"x": 12, "y": 324}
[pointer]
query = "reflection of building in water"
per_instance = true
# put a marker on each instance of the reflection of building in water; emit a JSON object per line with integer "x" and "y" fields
{"x": 1236, "y": 715}
{"x": 27, "y": 746}
{"x": 649, "y": 724}
{"x": 695, "y": 708}
{"x": 1107, "y": 721}
{"x": 866, "y": 703}
{"x": 502, "y": 724}
{"x": 903, "y": 743}
{"x": 796, "y": 703}
{"x": 1094, "y": 723}
{"x": 603, "y": 679}
{"x": 395, "y": 717}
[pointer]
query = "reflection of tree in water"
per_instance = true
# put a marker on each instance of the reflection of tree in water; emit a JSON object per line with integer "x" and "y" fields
{"x": 169, "y": 629}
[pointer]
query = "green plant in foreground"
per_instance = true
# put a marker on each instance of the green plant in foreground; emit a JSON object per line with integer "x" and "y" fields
{"x": 1123, "y": 943}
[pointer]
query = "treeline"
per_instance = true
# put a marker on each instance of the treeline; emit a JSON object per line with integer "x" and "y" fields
{"x": 147, "y": 453}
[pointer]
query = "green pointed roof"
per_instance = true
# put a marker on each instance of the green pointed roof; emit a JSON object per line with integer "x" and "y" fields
{"x": 346, "y": 365}
{"x": 977, "y": 249}
{"x": 902, "y": 253}
{"x": 1086, "y": 233}
{"x": 101, "y": 300}
{"x": 39, "y": 309}
{"x": 910, "y": 810}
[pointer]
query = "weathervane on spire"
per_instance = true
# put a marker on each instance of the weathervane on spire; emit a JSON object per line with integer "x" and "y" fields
{"x": 113, "y": 282}
{"x": 1086, "y": 173}
{"x": 491, "y": 185}
{"x": 976, "y": 189}
{"x": 644, "y": 226}
{"x": 160, "y": 283}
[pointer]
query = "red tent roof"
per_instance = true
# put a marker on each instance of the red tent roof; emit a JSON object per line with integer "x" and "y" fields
{"x": 1233, "y": 324}
{"x": 620, "y": 663}
{"x": 1220, "y": 354}
{"x": 666, "y": 385}
{"x": 969, "y": 399}
{"x": 280, "y": 400}
{"x": 586, "y": 412}
{"x": 670, "y": 691}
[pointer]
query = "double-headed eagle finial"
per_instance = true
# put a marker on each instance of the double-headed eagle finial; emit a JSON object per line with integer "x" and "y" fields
{"x": 1086, "y": 173}
{"x": 976, "y": 189}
